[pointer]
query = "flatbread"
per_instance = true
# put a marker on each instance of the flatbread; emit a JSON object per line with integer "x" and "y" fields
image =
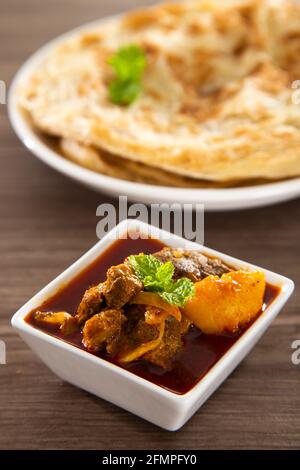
{"x": 103, "y": 162}
{"x": 216, "y": 101}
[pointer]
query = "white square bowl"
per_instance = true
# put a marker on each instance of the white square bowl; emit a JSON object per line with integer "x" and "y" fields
{"x": 121, "y": 387}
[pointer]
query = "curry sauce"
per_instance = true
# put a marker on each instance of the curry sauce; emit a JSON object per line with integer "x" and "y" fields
{"x": 200, "y": 351}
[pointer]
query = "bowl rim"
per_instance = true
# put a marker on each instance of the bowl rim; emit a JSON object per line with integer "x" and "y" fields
{"x": 214, "y": 198}
{"x": 260, "y": 324}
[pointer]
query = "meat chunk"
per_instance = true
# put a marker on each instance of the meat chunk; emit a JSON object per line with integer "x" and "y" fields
{"x": 103, "y": 330}
{"x": 134, "y": 313}
{"x": 141, "y": 339}
{"x": 59, "y": 320}
{"x": 143, "y": 333}
{"x": 121, "y": 285}
{"x": 185, "y": 324}
{"x": 155, "y": 338}
{"x": 191, "y": 264}
{"x": 169, "y": 346}
{"x": 91, "y": 303}
{"x": 138, "y": 336}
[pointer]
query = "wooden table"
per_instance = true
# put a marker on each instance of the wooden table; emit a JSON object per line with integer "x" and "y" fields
{"x": 47, "y": 221}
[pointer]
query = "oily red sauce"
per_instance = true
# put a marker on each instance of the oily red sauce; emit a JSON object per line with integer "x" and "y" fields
{"x": 200, "y": 351}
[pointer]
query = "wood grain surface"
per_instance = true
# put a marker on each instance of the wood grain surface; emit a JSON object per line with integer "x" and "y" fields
{"x": 47, "y": 221}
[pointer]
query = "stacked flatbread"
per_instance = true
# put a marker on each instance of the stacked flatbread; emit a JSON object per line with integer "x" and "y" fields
{"x": 216, "y": 101}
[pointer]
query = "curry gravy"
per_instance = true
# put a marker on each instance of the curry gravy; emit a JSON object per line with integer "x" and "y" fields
{"x": 200, "y": 351}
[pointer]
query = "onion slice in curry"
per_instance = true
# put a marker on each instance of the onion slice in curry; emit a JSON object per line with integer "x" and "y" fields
{"x": 154, "y": 300}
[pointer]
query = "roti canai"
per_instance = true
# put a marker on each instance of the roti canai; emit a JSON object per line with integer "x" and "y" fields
{"x": 216, "y": 93}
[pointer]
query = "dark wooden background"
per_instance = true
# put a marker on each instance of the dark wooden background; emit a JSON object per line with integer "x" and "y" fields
{"x": 47, "y": 221}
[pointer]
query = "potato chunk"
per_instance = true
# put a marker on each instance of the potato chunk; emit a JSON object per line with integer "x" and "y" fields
{"x": 224, "y": 304}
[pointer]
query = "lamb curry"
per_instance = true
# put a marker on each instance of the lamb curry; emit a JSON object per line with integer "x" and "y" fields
{"x": 165, "y": 314}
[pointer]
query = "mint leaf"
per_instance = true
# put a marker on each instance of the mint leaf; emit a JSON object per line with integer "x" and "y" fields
{"x": 180, "y": 292}
{"x": 158, "y": 277}
{"x": 160, "y": 280}
{"x": 165, "y": 272}
{"x": 123, "y": 92}
{"x": 144, "y": 266}
{"x": 129, "y": 64}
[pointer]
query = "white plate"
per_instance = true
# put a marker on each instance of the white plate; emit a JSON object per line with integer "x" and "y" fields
{"x": 213, "y": 199}
{"x": 119, "y": 386}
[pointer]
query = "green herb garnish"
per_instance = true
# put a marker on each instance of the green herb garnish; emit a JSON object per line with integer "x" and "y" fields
{"x": 158, "y": 277}
{"x": 129, "y": 64}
